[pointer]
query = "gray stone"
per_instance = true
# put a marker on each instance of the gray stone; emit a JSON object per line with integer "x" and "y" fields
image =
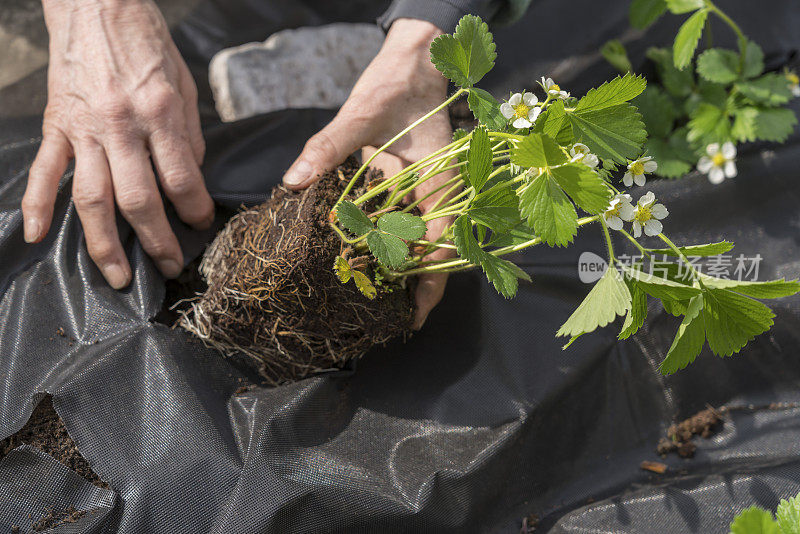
{"x": 312, "y": 67}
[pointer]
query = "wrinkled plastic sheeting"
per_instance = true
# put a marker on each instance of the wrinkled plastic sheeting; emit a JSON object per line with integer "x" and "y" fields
{"x": 475, "y": 422}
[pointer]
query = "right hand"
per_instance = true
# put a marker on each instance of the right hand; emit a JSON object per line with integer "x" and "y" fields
{"x": 119, "y": 95}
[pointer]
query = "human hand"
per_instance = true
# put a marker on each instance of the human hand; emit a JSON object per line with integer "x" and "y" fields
{"x": 119, "y": 96}
{"x": 398, "y": 87}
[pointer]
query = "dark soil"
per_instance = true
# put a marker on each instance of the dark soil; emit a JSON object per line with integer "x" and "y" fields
{"x": 179, "y": 293}
{"x": 272, "y": 293}
{"x": 704, "y": 423}
{"x": 45, "y": 431}
{"x": 52, "y": 518}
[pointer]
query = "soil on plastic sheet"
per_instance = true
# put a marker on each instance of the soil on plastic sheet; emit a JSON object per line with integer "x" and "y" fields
{"x": 273, "y": 294}
{"x": 680, "y": 436}
{"x": 53, "y": 518}
{"x": 46, "y": 431}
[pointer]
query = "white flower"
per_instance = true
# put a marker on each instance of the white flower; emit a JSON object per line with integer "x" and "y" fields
{"x": 619, "y": 209}
{"x": 552, "y": 88}
{"x": 794, "y": 81}
{"x": 719, "y": 164}
{"x": 647, "y": 215}
{"x": 522, "y": 108}
{"x": 637, "y": 169}
{"x": 581, "y": 152}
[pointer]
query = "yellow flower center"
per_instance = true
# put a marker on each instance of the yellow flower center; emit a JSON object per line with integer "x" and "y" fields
{"x": 637, "y": 168}
{"x": 613, "y": 212}
{"x": 521, "y": 111}
{"x": 555, "y": 87}
{"x": 793, "y": 78}
{"x": 718, "y": 159}
{"x": 643, "y": 214}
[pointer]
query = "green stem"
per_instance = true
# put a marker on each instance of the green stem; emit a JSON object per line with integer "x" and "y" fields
{"x": 396, "y": 138}
{"x": 735, "y": 27}
{"x": 609, "y": 244}
{"x": 680, "y": 253}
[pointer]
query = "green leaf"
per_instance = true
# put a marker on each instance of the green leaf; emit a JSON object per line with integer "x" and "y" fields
{"x": 643, "y": 13}
{"x": 614, "y": 52}
{"x": 744, "y": 124}
{"x": 517, "y": 235}
{"x": 688, "y": 36}
{"x": 675, "y": 307}
{"x": 732, "y": 320}
{"x": 353, "y": 218}
{"x": 537, "y": 150}
{"x": 364, "y": 285}
{"x": 608, "y": 298}
{"x": 660, "y": 288}
{"x": 788, "y": 515}
{"x": 754, "y": 520}
{"x": 753, "y": 60}
{"x": 688, "y": 341}
{"x": 466, "y": 56}
{"x": 769, "y": 90}
{"x": 769, "y": 289}
{"x": 718, "y": 65}
{"x": 775, "y": 124}
{"x": 709, "y": 124}
{"x": 616, "y": 133}
{"x": 658, "y": 112}
{"x": 549, "y": 211}
{"x": 390, "y": 250}
{"x": 553, "y": 122}
{"x": 486, "y": 109}
{"x": 613, "y": 93}
{"x": 679, "y": 7}
{"x": 584, "y": 186}
{"x": 498, "y": 210}
{"x": 403, "y": 225}
{"x": 674, "y": 156}
{"x": 707, "y": 249}
{"x": 501, "y": 273}
{"x": 479, "y": 158}
{"x": 677, "y": 82}
{"x": 638, "y": 312}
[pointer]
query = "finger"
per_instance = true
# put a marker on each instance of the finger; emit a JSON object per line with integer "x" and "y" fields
{"x": 140, "y": 203}
{"x": 93, "y": 196}
{"x": 430, "y": 286}
{"x": 181, "y": 179}
{"x": 43, "y": 177}
{"x": 326, "y": 150}
{"x": 191, "y": 112}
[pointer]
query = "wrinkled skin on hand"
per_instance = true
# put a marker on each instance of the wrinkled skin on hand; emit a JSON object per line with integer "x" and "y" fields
{"x": 120, "y": 100}
{"x": 398, "y": 87}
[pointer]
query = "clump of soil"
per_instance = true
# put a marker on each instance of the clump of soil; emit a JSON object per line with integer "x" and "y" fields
{"x": 46, "y": 431}
{"x": 704, "y": 423}
{"x": 272, "y": 293}
{"x": 52, "y": 518}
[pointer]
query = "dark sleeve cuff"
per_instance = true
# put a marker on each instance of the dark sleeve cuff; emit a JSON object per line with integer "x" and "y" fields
{"x": 443, "y": 14}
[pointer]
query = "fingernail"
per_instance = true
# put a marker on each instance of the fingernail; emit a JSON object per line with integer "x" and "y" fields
{"x": 33, "y": 228}
{"x": 170, "y": 268}
{"x": 115, "y": 276}
{"x": 298, "y": 173}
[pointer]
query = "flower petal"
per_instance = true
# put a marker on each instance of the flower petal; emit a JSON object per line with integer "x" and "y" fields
{"x": 640, "y": 180}
{"x": 615, "y": 223}
{"x": 515, "y": 99}
{"x": 591, "y": 160}
{"x": 647, "y": 199}
{"x": 729, "y": 150}
{"x": 533, "y": 114}
{"x": 730, "y": 170}
{"x": 521, "y": 123}
{"x": 627, "y": 179}
{"x": 637, "y": 229}
{"x": 506, "y": 110}
{"x": 529, "y": 99}
{"x": 659, "y": 211}
{"x": 705, "y": 164}
{"x": 650, "y": 166}
{"x": 712, "y": 149}
{"x": 716, "y": 176}
{"x": 626, "y": 212}
{"x": 653, "y": 227}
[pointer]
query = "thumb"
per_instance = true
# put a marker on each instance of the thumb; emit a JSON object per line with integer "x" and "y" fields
{"x": 324, "y": 151}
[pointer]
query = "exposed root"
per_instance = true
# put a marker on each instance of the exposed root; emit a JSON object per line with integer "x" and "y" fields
{"x": 272, "y": 294}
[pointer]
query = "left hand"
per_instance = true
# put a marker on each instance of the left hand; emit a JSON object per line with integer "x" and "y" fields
{"x": 398, "y": 87}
